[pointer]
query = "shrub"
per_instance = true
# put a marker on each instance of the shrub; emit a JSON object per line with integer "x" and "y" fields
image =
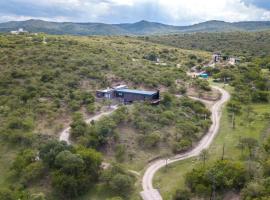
{"x": 120, "y": 152}
{"x": 181, "y": 146}
{"x": 151, "y": 140}
{"x": 182, "y": 195}
{"x": 33, "y": 172}
{"x": 122, "y": 184}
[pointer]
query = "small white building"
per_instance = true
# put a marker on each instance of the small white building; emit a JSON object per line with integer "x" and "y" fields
{"x": 19, "y": 31}
{"x": 216, "y": 57}
{"x": 233, "y": 60}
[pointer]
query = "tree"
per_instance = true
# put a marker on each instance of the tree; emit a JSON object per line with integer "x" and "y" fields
{"x": 204, "y": 156}
{"x": 150, "y": 140}
{"x": 38, "y": 196}
{"x": 92, "y": 160}
{"x": 182, "y": 145}
{"x": 250, "y": 144}
{"x": 120, "y": 152}
{"x": 183, "y": 194}
{"x": 78, "y": 126}
{"x": 12, "y": 193}
{"x": 219, "y": 176}
{"x": 166, "y": 156}
{"x": 122, "y": 184}
{"x": 167, "y": 100}
{"x": 22, "y": 160}
{"x": 76, "y": 172}
{"x": 253, "y": 190}
{"x": 7, "y": 194}
{"x": 115, "y": 198}
{"x": 51, "y": 149}
{"x": 233, "y": 108}
{"x": 87, "y": 98}
{"x": 152, "y": 56}
{"x": 67, "y": 185}
{"x": 266, "y": 144}
{"x": 69, "y": 163}
{"x": 131, "y": 155}
{"x": 91, "y": 108}
{"x": 33, "y": 172}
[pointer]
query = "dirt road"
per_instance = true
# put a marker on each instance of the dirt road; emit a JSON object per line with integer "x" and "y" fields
{"x": 65, "y": 134}
{"x": 149, "y": 193}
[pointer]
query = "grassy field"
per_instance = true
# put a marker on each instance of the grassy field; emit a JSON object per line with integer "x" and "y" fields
{"x": 172, "y": 178}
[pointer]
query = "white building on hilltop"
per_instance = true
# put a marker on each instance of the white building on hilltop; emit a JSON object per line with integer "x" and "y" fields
{"x": 19, "y": 31}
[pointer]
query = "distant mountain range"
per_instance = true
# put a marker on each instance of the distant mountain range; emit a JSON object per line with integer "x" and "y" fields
{"x": 138, "y": 28}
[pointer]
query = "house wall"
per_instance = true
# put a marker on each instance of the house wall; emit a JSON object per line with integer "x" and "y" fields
{"x": 107, "y": 95}
{"x": 126, "y": 96}
{"x": 130, "y": 97}
{"x": 135, "y": 97}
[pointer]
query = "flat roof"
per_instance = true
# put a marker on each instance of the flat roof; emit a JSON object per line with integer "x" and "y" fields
{"x": 105, "y": 91}
{"x": 144, "y": 92}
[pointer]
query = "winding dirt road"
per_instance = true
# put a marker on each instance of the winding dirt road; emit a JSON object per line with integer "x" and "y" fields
{"x": 65, "y": 134}
{"x": 149, "y": 193}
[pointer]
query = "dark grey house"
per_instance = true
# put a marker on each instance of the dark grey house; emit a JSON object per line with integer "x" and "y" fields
{"x": 126, "y": 95}
{"x": 129, "y": 95}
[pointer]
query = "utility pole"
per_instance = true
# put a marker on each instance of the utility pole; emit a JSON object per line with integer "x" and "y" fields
{"x": 223, "y": 151}
{"x": 233, "y": 120}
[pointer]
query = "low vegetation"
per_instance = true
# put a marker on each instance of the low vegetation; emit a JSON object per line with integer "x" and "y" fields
{"x": 48, "y": 81}
{"x": 236, "y": 162}
{"x": 174, "y": 126}
{"x": 243, "y": 44}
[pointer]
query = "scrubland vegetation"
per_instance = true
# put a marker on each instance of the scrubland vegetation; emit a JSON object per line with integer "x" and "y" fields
{"x": 45, "y": 86}
{"x": 237, "y": 161}
{"x": 173, "y": 126}
{"x": 243, "y": 44}
{"x": 47, "y": 82}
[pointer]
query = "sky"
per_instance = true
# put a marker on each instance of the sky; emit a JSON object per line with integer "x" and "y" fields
{"x": 175, "y": 12}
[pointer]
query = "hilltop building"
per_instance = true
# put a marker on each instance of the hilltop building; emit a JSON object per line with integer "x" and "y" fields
{"x": 216, "y": 57}
{"x": 19, "y": 31}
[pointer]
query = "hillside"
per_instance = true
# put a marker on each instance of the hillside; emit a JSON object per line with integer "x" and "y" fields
{"x": 138, "y": 28}
{"x": 44, "y": 83}
{"x": 233, "y": 43}
{"x": 54, "y": 75}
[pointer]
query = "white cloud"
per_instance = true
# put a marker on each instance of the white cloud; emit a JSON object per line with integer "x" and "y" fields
{"x": 167, "y": 11}
{"x": 197, "y": 10}
{"x": 5, "y": 18}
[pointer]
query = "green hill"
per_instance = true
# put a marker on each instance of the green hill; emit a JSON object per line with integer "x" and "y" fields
{"x": 231, "y": 43}
{"x": 138, "y": 28}
{"x": 43, "y": 84}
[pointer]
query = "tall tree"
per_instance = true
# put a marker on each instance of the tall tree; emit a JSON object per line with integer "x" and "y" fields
{"x": 233, "y": 108}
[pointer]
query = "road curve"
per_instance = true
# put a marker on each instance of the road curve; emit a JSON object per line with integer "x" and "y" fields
{"x": 65, "y": 134}
{"x": 149, "y": 193}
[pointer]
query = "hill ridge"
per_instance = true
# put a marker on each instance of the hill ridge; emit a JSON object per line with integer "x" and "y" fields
{"x": 142, "y": 27}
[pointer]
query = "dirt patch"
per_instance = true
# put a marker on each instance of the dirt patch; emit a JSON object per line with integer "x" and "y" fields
{"x": 231, "y": 196}
{"x": 212, "y": 95}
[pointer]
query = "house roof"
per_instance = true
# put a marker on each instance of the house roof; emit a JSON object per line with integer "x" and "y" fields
{"x": 143, "y": 92}
{"x": 105, "y": 91}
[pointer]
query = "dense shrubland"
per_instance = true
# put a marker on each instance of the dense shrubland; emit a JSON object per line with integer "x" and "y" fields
{"x": 250, "y": 80}
{"x": 246, "y": 44}
{"x": 45, "y": 85}
{"x": 41, "y": 83}
{"x": 177, "y": 123}
{"x": 247, "y": 175}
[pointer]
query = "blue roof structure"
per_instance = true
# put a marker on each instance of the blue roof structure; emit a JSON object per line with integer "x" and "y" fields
{"x": 143, "y": 92}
